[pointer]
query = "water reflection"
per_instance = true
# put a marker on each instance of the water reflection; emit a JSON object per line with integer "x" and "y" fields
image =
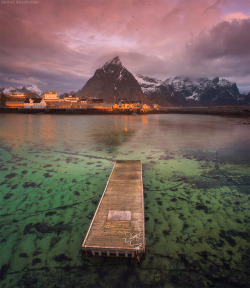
{"x": 111, "y": 137}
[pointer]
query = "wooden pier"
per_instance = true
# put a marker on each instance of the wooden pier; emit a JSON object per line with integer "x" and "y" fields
{"x": 118, "y": 227}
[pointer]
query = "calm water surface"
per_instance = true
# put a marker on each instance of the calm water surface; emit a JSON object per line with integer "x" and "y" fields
{"x": 54, "y": 169}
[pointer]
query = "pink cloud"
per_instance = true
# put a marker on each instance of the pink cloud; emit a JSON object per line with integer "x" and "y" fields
{"x": 236, "y": 16}
{"x": 70, "y": 39}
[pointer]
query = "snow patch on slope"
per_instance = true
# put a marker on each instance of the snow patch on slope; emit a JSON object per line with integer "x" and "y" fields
{"x": 148, "y": 85}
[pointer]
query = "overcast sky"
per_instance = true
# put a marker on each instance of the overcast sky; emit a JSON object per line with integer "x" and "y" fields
{"x": 58, "y": 44}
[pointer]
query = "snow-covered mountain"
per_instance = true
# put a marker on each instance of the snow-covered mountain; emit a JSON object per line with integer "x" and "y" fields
{"x": 206, "y": 92}
{"x": 32, "y": 88}
{"x": 160, "y": 92}
{"x": 113, "y": 81}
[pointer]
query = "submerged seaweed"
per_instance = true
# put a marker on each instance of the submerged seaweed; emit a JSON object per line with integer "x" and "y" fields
{"x": 196, "y": 192}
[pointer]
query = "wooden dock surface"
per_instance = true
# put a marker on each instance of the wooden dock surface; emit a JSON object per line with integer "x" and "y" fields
{"x": 118, "y": 227}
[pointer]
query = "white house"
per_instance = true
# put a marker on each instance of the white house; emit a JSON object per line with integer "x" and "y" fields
{"x": 37, "y": 103}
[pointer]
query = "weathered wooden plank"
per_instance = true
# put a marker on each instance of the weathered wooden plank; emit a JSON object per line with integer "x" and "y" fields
{"x": 118, "y": 223}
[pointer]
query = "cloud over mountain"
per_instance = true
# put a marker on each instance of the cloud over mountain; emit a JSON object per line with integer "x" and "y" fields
{"x": 226, "y": 39}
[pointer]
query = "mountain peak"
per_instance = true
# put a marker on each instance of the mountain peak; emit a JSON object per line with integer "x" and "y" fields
{"x": 112, "y": 82}
{"x": 114, "y": 61}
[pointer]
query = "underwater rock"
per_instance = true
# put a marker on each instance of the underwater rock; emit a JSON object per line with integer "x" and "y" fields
{"x": 61, "y": 258}
{"x": 4, "y": 182}
{"x": 214, "y": 243}
{"x": 181, "y": 216}
{"x": 77, "y": 193}
{"x": 28, "y": 281}
{"x": 27, "y": 228}
{"x": 244, "y": 235}
{"x": 46, "y": 166}
{"x": 223, "y": 234}
{"x": 203, "y": 254}
{"x": 167, "y": 157}
{"x": 50, "y": 213}
{"x": 67, "y": 268}
{"x": 68, "y": 160}
{"x": 8, "y": 195}
{"x": 4, "y": 269}
{"x": 11, "y": 175}
{"x": 230, "y": 252}
{"x": 95, "y": 202}
{"x": 187, "y": 156}
{"x": 36, "y": 261}
{"x": 200, "y": 206}
{"x": 159, "y": 202}
{"x": 45, "y": 228}
{"x": 195, "y": 277}
{"x": 54, "y": 241}
{"x": 246, "y": 258}
{"x": 47, "y": 175}
{"x": 36, "y": 253}
{"x": 30, "y": 184}
{"x": 165, "y": 233}
{"x": 23, "y": 255}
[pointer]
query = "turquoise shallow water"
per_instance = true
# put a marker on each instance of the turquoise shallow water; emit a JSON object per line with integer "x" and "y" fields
{"x": 54, "y": 169}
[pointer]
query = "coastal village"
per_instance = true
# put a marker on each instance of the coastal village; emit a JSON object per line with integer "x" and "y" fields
{"x": 70, "y": 102}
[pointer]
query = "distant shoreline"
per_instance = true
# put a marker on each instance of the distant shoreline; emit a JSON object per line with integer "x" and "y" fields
{"x": 243, "y": 111}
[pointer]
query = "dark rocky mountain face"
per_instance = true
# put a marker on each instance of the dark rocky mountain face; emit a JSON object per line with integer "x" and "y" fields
{"x": 112, "y": 82}
{"x": 244, "y": 99}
